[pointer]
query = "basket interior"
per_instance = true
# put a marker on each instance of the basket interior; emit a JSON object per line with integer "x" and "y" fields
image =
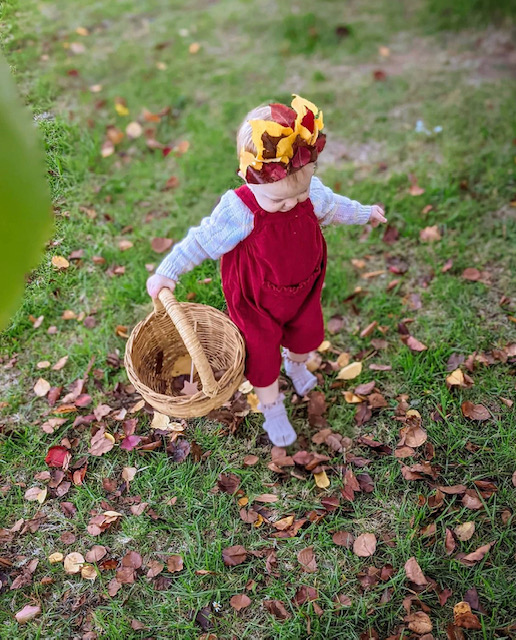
{"x": 157, "y": 346}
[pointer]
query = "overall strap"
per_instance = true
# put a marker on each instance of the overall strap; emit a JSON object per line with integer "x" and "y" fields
{"x": 246, "y": 195}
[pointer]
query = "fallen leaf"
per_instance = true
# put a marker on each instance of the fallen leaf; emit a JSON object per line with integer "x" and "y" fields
{"x": 134, "y": 130}
{"x": 474, "y": 411}
{"x": 36, "y": 493}
{"x": 472, "y": 558}
{"x": 464, "y": 617}
{"x": 27, "y": 613}
{"x": 58, "y": 456}
{"x": 124, "y": 245}
{"x": 277, "y": 609}
{"x": 240, "y": 601}
{"x": 101, "y": 443}
{"x": 465, "y": 531}
{"x": 307, "y": 560}
{"x": 42, "y": 387}
{"x": 365, "y": 545}
{"x": 416, "y": 190}
{"x": 343, "y": 539}
{"x": 430, "y": 234}
{"x": 228, "y": 483}
{"x": 419, "y": 622}
{"x": 266, "y": 497}
{"x": 322, "y": 480}
{"x": 175, "y": 563}
{"x": 234, "y": 555}
{"x": 250, "y": 460}
{"x": 352, "y": 370}
{"x": 414, "y": 573}
{"x": 160, "y": 245}
{"x": 415, "y": 345}
{"x": 73, "y": 562}
{"x": 60, "y": 263}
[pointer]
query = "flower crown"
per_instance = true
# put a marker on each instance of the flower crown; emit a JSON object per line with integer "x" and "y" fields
{"x": 290, "y": 141}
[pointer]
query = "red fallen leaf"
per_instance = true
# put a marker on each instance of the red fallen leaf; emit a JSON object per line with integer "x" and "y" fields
{"x": 414, "y": 573}
{"x": 172, "y": 182}
{"x": 234, "y": 555}
{"x": 58, "y": 456}
{"x": 343, "y": 539}
{"x": 363, "y": 414}
{"x": 472, "y": 274}
{"x": 277, "y": 609}
{"x": 228, "y": 483}
{"x": 379, "y": 75}
{"x": 174, "y": 563}
{"x": 240, "y": 601}
{"x": 444, "y": 595}
{"x": 391, "y": 235}
{"x": 365, "y": 482}
{"x": 130, "y": 442}
{"x": 179, "y": 449}
{"x": 160, "y": 245}
{"x": 471, "y": 559}
{"x": 474, "y": 411}
{"x": 307, "y": 560}
{"x": 330, "y": 503}
{"x": 365, "y": 545}
{"x": 350, "y": 486}
{"x": 380, "y": 367}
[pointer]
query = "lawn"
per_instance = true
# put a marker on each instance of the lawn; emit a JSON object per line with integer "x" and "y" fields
{"x": 138, "y": 104}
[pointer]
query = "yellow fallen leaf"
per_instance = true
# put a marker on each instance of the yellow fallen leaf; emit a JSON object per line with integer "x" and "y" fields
{"x": 88, "y": 572}
{"x": 82, "y": 31}
{"x": 413, "y": 412}
{"x": 56, "y": 557}
{"x": 324, "y": 346}
{"x": 121, "y": 109}
{"x": 456, "y": 378}
{"x": 384, "y": 52}
{"x": 68, "y": 314}
{"x": 258, "y": 522}
{"x": 36, "y": 493}
{"x": 109, "y": 437}
{"x": 182, "y": 366}
{"x": 161, "y": 66}
{"x": 59, "y": 262}
{"x": 243, "y": 501}
{"x": 351, "y": 371}
{"x": 321, "y": 480}
{"x": 284, "y": 523}
{"x": 252, "y": 400}
{"x": 44, "y": 364}
{"x": 194, "y": 47}
{"x": 351, "y": 398}
{"x": 128, "y": 473}
{"x": 343, "y": 359}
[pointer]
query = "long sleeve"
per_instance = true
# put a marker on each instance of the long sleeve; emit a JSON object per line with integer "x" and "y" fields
{"x": 230, "y": 223}
{"x": 332, "y": 208}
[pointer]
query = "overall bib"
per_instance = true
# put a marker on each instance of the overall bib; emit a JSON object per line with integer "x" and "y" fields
{"x": 272, "y": 283}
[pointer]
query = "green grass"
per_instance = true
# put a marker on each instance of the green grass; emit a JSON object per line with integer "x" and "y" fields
{"x": 249, "y": 56}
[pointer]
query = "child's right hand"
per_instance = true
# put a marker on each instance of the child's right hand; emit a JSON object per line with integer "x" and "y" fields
{"x": 156, "y": 283}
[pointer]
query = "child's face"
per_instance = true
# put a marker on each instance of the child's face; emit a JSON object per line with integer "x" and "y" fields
{"x": 284, "y": 194}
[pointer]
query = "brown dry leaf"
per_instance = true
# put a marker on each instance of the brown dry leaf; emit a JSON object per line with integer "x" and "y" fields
{"x": 430, "y": 234}
{"x": 134, "y": 130}
{"x": 416, "y": 190}
{"x": 174, "y": 563}
{"x": 415, "y": 345}
{"x": 343, "y": 539}
{"x": 73, "y": 562}
{"x": 266, "y": 497}
{"x": 250, "y": 460}
{"x": 474, "y": 411}
{"x": 471, "y": 500}
{"x": 228, "y": 483}
{"x": 155, "y": 568}
{"x": 88, "y": 572}
{"x": 465, "y": 531}
{"x": 464, "y": 617}
{"x": 419, "y": 622}
{"x": 277, "y": 609}
{"x": 124, "y": 245}
{"x": 307, "y": 560}
{"x": 414, "y": 573}
{"x": 60, "y": 363}
{"x": 365, "y": 545}
{"x": 27, "y": 613}
{"x": 283, "y": 523}
{"x": 240, "y": 601}
{"x": 160, "y": 245}
{"x": 60, "y": 263}
{"x": 234, "y": 555}
{"x": 475, "y": 556}
{"x": 96, "y": 553}
{"x": 36, "y": 493}
{"x": 101, "y": 443}
{"x": 321, "y": 480}
{"x": 42, "y": 387}
{"x": 449, "y": 542}
{"x": 343, "y": 359}
{"x": 351, "y": 371}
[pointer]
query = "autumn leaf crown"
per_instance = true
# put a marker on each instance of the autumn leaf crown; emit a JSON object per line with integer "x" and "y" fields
{"x": 284, "y": 144}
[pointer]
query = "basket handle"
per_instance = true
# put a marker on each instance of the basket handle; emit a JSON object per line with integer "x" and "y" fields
{"x": 210, "y": 386}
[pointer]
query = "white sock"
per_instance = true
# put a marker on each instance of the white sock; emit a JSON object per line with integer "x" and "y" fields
{"x": 277, "y": 424}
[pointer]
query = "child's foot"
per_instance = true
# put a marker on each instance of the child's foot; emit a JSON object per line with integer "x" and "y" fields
{"x": 303, "y": 380}
{"x": 277, "y": 424}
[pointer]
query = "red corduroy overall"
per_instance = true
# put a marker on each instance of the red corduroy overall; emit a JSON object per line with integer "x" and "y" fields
{"x": 272, "y": 282}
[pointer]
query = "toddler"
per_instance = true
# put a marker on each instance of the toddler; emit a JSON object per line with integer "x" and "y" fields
{"x": 268, "y": 234}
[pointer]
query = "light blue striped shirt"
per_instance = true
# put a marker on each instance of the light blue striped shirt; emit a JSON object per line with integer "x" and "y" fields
{"x": 232, "y": 221}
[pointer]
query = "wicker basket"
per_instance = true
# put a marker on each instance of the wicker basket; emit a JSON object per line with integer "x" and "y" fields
{"x": 165, "y": 335}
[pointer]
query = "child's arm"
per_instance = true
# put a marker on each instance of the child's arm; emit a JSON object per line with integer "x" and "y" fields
{"x": 332, "y": 208}
{"x": 230, "y": 223}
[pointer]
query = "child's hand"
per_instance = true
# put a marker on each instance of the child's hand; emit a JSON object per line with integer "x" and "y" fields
{"x": 377, "y": 215}
{"x": 156, "y": 283}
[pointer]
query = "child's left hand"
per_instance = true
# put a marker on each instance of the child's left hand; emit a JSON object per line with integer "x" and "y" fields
{"x": 377, "y": 215}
